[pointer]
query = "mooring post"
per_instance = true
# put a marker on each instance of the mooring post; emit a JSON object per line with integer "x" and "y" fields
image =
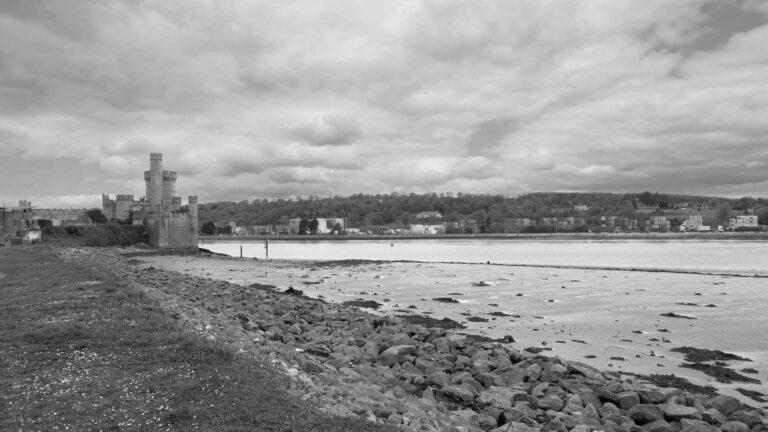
{"x": 241, "y": 251}
{"x": 266, "y": 247}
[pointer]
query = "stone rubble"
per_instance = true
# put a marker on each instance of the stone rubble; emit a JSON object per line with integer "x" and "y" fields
{"x": 422, "y": 379}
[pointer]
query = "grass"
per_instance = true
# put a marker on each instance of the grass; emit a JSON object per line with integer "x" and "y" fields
{"x": 84, "y": 351}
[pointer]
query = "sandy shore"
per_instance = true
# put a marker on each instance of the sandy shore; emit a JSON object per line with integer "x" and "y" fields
{"x": 612, "y": 320}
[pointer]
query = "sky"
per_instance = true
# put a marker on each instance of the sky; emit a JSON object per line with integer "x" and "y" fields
{"x": 257, "y": 99}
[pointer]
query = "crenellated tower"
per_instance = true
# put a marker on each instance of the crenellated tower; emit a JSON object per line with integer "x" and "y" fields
{"x": 169, "y": 185}
{"x": 155, "y": 184}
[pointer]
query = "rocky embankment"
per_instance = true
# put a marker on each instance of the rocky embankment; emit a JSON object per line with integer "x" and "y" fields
{"x": 421, "y": 378}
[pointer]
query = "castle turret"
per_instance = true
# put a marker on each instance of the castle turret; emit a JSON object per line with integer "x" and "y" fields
{"x": 193, "y": 211}
{"x": 155, "y": 186}
{"x": 175, "y": 204}
{"x": 169, "y": 185}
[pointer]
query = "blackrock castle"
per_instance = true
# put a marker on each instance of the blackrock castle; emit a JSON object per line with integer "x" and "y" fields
{"x": 170, "y": 225}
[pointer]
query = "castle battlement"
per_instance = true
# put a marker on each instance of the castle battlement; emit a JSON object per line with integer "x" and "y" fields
{"x": 155, "y": 157}
{"x": 169, "y": 176}
{"x": 192, "y": 199}
{"x": 124, "y": 197}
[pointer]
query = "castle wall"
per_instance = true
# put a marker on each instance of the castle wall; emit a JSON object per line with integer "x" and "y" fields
{"x": 172, "y": 231}
{"x": 192, "y": 209}
{"x": 123, "y": 205}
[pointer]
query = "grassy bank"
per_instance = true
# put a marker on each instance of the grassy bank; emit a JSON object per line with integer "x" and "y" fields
{"x": 84, "y": 351}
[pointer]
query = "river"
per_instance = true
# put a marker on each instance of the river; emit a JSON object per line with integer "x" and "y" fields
{"x": 714, "y": 256}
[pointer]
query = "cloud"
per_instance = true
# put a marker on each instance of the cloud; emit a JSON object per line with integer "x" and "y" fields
{"x": 247, "y": 100}
{"x": 331, "y": 129}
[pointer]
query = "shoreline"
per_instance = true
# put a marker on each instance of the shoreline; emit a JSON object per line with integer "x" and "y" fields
{"x": 379, "y": 368}
{"x": 570, "y": 315}
{"x": 714, "y": 236}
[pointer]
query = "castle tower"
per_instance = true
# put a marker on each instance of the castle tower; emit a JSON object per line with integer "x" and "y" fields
{"x": 175, "y": 204}
{"x": 169, "y": 185}
{"x": 155, "y": 184}
{"x": 193, "y": 211}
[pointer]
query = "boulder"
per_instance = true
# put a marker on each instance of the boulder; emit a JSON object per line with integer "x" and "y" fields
{"x": 500, "y": 397}
{"x": 651, "y": 396}
{"x": 551, "y": 402}
{"x": 688, "y": 425}
{"x": 645, "y": 413}
{"x": 574, "y": 404}
{"x": 627, "y": 400}
{"x": 723, "y": 403}
{"x": 395, "y": 354}
{"x": 516, "y": 427}
{"x": 750, "y": 418}
{"x": 678, "y": 412}
{"x": 713, "y": 417}
{"x": 458, "y": 393}
{"x": 657, "y": 426}
{"x": 734, "y": 426}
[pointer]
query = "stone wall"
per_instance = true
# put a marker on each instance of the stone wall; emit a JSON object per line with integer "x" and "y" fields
{"x": 174, "y": 231}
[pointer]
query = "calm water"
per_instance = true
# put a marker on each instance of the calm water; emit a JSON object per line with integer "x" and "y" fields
{"x": 722, "y": 256}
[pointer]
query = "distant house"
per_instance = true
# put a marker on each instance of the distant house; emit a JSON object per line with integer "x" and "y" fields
{"x": 581, "y": 207}
{"x": 324, "y": 225}
{"x": 658, "y": 223}
{"x": 748, "y": 221}
{"x": 429, "y": 215}
{"x": 692, "y": 223}
{"x": 420, "y": 229}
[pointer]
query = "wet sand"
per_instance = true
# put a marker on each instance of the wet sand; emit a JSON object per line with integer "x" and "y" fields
{"x": 608, "y": 318}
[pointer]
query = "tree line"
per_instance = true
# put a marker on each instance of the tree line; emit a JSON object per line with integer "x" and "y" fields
{"x": 486, "y": 210}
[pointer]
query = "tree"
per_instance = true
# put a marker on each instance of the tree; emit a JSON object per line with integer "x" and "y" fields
{"x": 313, "y": 225}
{"x": 97, "y": 216}
{"x": 337, "y": 228}
{"x": 208, "y": 228}
{"x": 724, "y": 213}
{"x": 303, "y": 226}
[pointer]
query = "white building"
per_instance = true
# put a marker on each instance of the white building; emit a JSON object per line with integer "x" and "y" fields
{"x": 748, "y": 221}
{"x": 421, "y": 229}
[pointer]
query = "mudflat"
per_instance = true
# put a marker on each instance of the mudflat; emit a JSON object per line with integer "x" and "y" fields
{"x": 626, "y": 321}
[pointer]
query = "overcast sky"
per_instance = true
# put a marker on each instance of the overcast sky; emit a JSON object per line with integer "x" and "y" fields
{"x": 255, "y": 99}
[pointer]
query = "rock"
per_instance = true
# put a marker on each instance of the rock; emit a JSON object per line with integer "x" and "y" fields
{"x": 458, "y": 393}
{"x": 553, "y": 403}
{"x": 674, "y": 412}
{"x": 749, "y": 418}
{"x": 591, "y": 399}
{"x": 500, "y": 397}
{"x": 310, "y": 366}
{"x": 688, "y": 425}
{"x": 651, "y": 396}
{"x": 713, "y": 417}
{"x": 723, "y": 403}
{"x": 395, "y": 354}
{"x": 657, "y": 426}
{"x": 645, "y": 413}
{"x": 734, "y": 426}
{"x": 584, "y": 369}
{"x": 608, "y": 409}
{"x": 554, "y": 373}
{"x": 627, "y": 399}
{"x": 515, "y": 427}
{"x": 573, "y": 404}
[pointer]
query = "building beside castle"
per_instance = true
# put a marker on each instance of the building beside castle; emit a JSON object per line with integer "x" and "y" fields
{"x": 170, "y": 225}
